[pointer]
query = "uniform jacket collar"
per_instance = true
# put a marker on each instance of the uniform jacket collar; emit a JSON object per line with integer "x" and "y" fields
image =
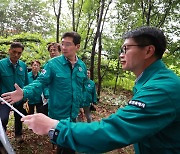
{"x": 65, "y": 60}
{"x": 10, "y": 63}
{"x": 148, "y": 73}
{"x": 31, "y": 74}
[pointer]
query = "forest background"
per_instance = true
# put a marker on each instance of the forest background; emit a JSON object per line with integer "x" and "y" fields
{"x": 101, "y": 24}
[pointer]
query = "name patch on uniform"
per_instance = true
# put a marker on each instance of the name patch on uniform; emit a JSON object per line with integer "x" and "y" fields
{"x": 43, "y": 71}
{"x": 80, "y": 69}
{"x": 20, "y": 68}
{"x": 137, "y": 104}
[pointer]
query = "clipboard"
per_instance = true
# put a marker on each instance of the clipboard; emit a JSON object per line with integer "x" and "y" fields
{"x": 3, "y": 137}
{"x": 4, "y": 140}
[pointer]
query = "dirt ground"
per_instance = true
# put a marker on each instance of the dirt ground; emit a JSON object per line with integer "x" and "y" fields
{"x": 35, "y": 144}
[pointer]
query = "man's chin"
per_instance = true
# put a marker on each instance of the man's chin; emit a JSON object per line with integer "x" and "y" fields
{"x": 14, "y": 60}
{"x": 65, "y": 54}
{"x": 125, "y": 68}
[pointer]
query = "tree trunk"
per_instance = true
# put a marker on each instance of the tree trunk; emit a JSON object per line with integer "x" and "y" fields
{"x": 95, "y": 39}
{"x": 148, "y": 17}
{"x": 57, "y": 31}
{"x": 73, "y": 16}
{"x": 57, "y": 18}
{"x": 99, "y": 67}
{"x": 100, "y": 51}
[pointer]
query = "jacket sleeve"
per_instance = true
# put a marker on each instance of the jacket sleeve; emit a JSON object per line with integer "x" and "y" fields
{"x": 127, "y": 126}
{"x": 94, "y": 94}
{"x": 84, "y": 86}
{"x": 26, "y": 77}
{"x": 37, "y": 86}
{"x": 46, "y": 92}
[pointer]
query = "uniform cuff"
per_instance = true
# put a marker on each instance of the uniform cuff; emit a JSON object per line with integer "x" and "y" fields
{"x": 25, "y": 94}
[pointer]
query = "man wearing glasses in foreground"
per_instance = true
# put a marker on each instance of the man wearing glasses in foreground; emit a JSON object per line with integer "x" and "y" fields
{"x": 150, "y": 121}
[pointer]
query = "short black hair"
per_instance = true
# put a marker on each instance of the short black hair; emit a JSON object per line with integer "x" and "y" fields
{"x": 54, "y": 44}
{"x": 76, "y": 37}
{"x": 147, "y": 35}
{"x": 16, "y": 45}
{"x": 35, "y": 61}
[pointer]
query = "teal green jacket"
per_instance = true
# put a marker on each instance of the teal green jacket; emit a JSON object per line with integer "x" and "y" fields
{"x": 46, "y": 90}
{"x": 89, "y": 94}
{"x": 151, "y": 120}
{"x": 10, "y": 75}
{"x": 66, "y": 87}
{"x": 46, "y": 93}
{"x": 36, "y": 99}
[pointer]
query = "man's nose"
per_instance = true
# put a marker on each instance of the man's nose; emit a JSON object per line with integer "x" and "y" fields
{"x": 16, "y": 54}
{"x": 121, "y": 55}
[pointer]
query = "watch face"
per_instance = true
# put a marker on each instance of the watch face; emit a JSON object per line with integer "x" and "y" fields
{"x": 51, "y": 133}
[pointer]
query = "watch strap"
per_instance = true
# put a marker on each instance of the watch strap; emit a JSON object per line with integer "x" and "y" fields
{"x": 55, "y": 136}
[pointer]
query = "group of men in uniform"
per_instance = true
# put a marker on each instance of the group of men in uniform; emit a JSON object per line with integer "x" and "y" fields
{"x": 150, "y": 120}
{"x": 63, "y": 78}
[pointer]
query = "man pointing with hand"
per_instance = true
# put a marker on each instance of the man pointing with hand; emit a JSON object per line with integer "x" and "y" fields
{"x": 65, "y": 77}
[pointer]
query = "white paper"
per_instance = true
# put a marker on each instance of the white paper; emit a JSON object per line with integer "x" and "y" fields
{"x": 2, "y": 133}
{"x": 4, "y": 140}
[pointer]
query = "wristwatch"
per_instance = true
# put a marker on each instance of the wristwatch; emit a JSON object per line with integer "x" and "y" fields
{"x": 51, "y": 133}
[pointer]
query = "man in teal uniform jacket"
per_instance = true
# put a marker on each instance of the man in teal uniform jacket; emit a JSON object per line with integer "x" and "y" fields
{"x": 12, "y": 70}
{"x": 151, "y": 120}
{"x": 65, "y": 76}
{"x": 36, "y": 101}
{"x": 54, "y": 51}
{"x": 90, "y": 98}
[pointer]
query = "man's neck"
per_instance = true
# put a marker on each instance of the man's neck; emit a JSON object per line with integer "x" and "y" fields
{"x": 72, "y": 60}
{"x": 35, "y": 73}
{"x": 146, "y": 64}
{"x": 13, "y": 62}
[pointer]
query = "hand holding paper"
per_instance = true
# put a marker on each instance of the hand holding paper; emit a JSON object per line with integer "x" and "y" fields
{"x": 39, "y": 123}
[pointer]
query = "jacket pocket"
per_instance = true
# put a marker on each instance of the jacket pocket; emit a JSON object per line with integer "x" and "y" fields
{"x": 80, "y": 77}
{"x": 62, "y": 79}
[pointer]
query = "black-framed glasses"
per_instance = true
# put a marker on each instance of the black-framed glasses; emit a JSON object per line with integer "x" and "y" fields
{"x": 123, "y": 49}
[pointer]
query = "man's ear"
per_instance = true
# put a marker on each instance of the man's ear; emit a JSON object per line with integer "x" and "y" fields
{"x": 150, "y": 51}
{"x": 78, "y": 46}
{"x": 9, "y": 51}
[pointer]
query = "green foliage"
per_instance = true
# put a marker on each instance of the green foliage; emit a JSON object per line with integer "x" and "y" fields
{"x": 126, "y": 83}
{"x": 173, "y": 62}
{"x": 123, "y": 83}
{"x": 25, "y": 16}
{"x": 17, "y": 16}
{"x": 35, "y": 47}
{"x": 90, "y": 6}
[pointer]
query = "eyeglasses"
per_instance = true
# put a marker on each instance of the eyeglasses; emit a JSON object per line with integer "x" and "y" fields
{"x": 68, "y": 44}
{"x": 124, "y": 48}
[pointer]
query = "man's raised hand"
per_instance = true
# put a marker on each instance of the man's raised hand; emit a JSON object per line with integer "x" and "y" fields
{"x": 14, "y": 96}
